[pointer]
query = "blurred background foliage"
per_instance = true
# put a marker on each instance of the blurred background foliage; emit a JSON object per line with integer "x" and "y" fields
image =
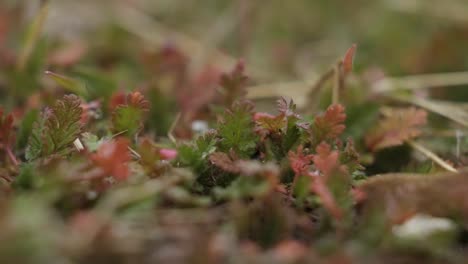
{"x": 171, "y": 50}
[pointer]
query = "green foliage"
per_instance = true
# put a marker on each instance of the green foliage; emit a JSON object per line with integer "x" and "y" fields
{"x": 26, "y": 128}
{"x": 27, "y": 179}
{"x": 69, "y": 84}
{"x": 195, "y": 155}
{"x": 58, "y": 128}
{"x": 128, "y": 118}
{"x": 236, "y": 130}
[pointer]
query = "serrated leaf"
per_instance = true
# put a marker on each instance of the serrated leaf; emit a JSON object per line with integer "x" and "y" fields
{"x": 329, "y": 125}
{"x": 128, "y": 118}
{"x": 57, "y": 129}
{"x": 326, "y": 160}
{"x": 299, "y": 161}
{"x": 269, "y": 122}
{"x": 237, "y": 130}
{"x": 397, "y": 126}
{"x": 195, "y": 154}
{"x": 331, "y": 182}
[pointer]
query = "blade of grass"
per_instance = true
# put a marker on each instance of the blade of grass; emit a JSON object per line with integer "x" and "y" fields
{"x": 415, "y": 82}
{"x": 32, "y": 36}
{"x": 428, "y": 153}
{"x": 68, "y": 83}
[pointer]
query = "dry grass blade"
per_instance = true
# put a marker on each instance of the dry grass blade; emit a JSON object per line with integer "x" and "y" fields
{"x": 414, "y": 82}
{"x": 431, "y": 155}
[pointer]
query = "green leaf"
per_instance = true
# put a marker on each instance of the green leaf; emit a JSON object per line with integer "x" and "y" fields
{"x": 26, "y": 178}
{"x": 72, "y": 85}
{"x": 195, "y": 155}
{"x": 128, "y": 118}
{"x": 57, "y": 129}
{"x": 237, "y": 130}
{"x": 26, "y": 127}
{"x": 301, "y": 188}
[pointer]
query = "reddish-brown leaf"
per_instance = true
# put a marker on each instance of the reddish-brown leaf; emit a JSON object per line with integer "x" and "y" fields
{"x": 134, "y": 99}
{"x": 348, "y": 59}
{"x": 330, "y": 124}
{"x": 325, "y": 160}
{"x": 299, "y": 162}
{"x": 396, "y": 127}
{"x": 112, "y": 157}
{"x": 266, "y": 123}
{"x": 137, "y": 100}
{"x": 117, "y": 99}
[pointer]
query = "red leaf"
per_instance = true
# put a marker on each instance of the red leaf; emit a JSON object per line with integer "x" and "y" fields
{"x": 331, "y": 124}
{"x": 117, "y": 99}
{"x": 398, "y": 126}
{"x": 137, "y": 100}
{"x": 325, "y": 160}
{"x": 113, "y": 157}
{"x": 299, "y": 162}
{"x": 320, "y": 188}
{"x": 348, "y": 59}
